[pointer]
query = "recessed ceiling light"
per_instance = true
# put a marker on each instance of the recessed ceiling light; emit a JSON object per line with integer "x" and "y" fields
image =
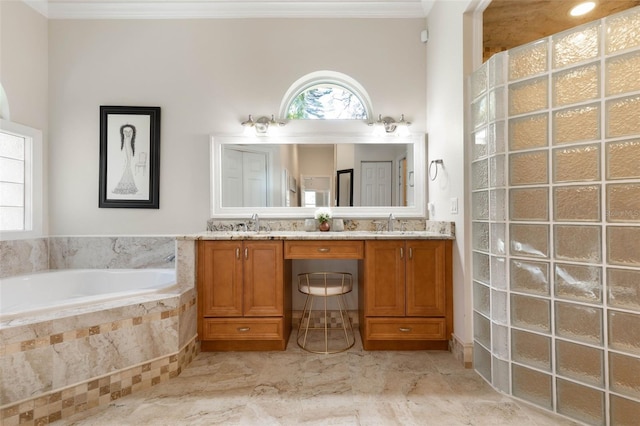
{"x": 582, "y": 8}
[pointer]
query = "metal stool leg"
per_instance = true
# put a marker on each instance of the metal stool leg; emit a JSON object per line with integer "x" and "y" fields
{"x": 308, "y": 307}
{"x": 342, "y": 307}
{"x": 329, "y": 285}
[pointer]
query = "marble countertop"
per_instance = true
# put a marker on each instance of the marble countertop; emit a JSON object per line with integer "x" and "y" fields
{"x": 317, "y": 235}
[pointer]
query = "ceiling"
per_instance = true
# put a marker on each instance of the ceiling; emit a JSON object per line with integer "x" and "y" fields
{"x": 511, "y": 23}
{"x": 506, "y": 23}
{"x": 172, "y": 9}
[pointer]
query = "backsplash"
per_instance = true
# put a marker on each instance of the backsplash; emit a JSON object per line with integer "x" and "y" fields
{"x": 222, "y": 225}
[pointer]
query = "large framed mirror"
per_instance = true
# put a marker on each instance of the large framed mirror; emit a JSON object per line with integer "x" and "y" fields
{"x": 290, "y": 176}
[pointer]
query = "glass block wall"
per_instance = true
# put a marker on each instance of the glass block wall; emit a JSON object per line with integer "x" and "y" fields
{"x": 555, "y": 207}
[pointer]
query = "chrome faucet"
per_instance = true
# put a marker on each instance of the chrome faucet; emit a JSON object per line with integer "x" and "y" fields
{"x": 390, "y": 222}
{"x": 170, "y": 258}
{"x": 256, "y": 222}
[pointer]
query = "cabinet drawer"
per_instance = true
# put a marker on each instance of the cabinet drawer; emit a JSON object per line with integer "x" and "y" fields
{"x": 324, "y": 249}
{"x": 243, "y": 329}
{"x": 405, "y": 328}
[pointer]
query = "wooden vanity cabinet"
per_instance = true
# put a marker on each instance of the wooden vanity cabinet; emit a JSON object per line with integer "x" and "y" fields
{"x": 244, "y": 295}
{"x": 405, "y": 294}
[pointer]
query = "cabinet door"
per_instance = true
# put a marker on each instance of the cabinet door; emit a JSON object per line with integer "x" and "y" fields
{"x": 220, "y": 278}
{"x": 384, "y": 278}
{"x": 426, "y": 278}
{"x": 263, "y": 278}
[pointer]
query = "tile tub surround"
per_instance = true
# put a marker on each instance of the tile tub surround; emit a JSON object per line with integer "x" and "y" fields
{"x": 58, "y": 364}
{"x": 295, "y": 387}
{"x": 18, "y": 257}
{"x": 98, "y": 392}
{"x": 79, "y": 252}
{"x": 65, "y": 354}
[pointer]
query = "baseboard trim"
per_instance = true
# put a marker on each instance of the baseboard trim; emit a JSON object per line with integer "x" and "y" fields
{"x": 463, "y": 352}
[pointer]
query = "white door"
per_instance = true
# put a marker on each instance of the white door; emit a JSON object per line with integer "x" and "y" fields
{"x": 255, "y": 179}
{"x": 244, "y": 179}
{"x": 375, "y": 183}
{"x": 232, "y": 178}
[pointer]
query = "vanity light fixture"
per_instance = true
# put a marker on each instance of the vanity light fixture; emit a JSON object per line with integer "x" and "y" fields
{"x": 389, "y": 126}
{"x": 262, "y": 124}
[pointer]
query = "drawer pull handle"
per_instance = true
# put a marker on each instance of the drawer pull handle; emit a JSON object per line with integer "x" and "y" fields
{"x": 237, "y": 253}
{"x": 243, "y": 329}
{"x": 324, "y": 250}
{"x": 405, "y": 329}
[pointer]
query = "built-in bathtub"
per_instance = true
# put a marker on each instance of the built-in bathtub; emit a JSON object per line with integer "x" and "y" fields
{"x": 33, "y": 294}
{"x": 77, "y": 339}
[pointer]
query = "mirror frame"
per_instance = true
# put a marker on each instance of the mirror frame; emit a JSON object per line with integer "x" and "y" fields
{"x": 418, "y": 210}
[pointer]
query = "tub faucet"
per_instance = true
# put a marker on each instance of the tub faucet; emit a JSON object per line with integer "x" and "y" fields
{"x": 256, "y": 222}
{"x": 170, "y": 258}
{"x": 390, "y": 222}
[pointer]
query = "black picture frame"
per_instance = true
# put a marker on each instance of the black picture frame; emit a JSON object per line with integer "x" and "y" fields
{"x": 129, "y": 157}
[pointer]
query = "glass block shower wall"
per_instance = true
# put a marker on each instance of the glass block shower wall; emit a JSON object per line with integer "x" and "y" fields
{"x": 555, "y": 181}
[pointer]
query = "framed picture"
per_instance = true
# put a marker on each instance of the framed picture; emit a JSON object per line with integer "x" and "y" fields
{"x": 129, "y": 157}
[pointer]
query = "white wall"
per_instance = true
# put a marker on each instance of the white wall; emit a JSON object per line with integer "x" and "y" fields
{"x": 445, "y": 128}
{"x": 24, "y": 70}
{"x": 207, "y": 76}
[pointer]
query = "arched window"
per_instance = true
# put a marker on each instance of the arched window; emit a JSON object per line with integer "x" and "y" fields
{"x": 326, "y": 95}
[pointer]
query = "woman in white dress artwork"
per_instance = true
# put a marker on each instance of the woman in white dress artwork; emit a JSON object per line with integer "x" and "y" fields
{"x": 127, "y": 144}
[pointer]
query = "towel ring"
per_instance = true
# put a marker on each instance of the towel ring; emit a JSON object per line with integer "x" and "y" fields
{"x": 436, "y": 162}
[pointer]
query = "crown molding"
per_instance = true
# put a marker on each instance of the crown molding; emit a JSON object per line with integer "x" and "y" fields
{"x": 230, "y": 9}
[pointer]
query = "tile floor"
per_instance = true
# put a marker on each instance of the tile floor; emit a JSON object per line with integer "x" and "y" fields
{"x": 295, "y": 387}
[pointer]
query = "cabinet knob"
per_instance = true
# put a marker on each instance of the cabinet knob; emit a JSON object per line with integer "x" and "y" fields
{"x": 405, "y": 329}
{"x": 243, "y": 329}
{"x": 324, "y": 250}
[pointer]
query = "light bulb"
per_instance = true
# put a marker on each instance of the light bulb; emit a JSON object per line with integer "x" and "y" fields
{"x": 582, "y": 8}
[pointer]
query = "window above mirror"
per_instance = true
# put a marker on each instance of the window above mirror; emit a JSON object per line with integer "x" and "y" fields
{"x": 326, "y": 95}
{"x": 326, "y": 101}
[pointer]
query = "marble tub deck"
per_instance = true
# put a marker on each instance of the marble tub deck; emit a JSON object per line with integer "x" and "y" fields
{"x": 296, "y": 387}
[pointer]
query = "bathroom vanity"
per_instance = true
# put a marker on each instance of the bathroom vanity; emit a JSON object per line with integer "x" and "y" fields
{"x": 244, "y": 281}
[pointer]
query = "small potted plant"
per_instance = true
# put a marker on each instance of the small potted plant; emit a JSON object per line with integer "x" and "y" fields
{"x": 323, "y": 215}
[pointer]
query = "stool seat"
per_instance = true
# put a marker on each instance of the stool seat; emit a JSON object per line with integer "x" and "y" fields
{"x": 319, "y": 284}
{"x": 325, "y": 285}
